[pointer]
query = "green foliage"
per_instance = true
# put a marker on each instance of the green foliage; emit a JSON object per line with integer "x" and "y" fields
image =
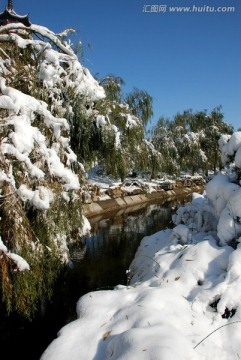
{"x": 22, "y": 68}
{"x": 81, "y": 132}
{"x": 112, "y": 85}
{"x": 140, "y": 103}
{"x": 38, "y": 237}
{"x": 22, "y": 291}
{"x": 117, "y": 144}
{"x": 189, "y": 142}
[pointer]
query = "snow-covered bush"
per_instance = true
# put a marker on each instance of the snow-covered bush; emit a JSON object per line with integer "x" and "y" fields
{"x": 218, "y": 213}
{"x": 219, "y": 210}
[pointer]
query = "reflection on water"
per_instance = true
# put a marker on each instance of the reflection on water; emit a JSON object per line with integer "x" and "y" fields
{"x": 102, "y": 258}
{"x": 98, "y": 261}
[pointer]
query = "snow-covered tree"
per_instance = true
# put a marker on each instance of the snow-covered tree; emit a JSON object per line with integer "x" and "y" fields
{"x": 140, "y": 103}
{"x": 41, "y": 80}
{"x": 189, "y": 142}
{"x": 111, "y": 134}
{"x": 56, "y": 122}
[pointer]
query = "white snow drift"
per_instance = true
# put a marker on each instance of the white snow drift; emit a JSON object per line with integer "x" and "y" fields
{"x": 184, "y": 298}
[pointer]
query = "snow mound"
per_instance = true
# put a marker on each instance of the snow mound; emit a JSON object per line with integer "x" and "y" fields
{"x": 183, "y": 301}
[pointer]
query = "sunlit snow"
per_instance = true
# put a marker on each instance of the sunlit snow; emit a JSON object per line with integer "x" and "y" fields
{"x": 183, "y": 301}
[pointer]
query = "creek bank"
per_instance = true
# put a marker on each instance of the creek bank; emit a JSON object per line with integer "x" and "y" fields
{"x": 113, "y": 204}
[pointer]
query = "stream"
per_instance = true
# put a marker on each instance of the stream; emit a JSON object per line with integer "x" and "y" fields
{"x": 99, "y": 261}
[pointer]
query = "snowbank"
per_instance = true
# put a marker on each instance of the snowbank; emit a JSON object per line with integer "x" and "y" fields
{"x": 183, "y": 301}
{"x": 168, "y": 308}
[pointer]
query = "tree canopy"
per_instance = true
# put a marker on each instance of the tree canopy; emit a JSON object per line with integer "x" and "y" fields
{"x": 190, "y": 140}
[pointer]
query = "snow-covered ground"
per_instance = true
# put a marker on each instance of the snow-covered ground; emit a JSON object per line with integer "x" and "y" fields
{"x": 184, "y": 296}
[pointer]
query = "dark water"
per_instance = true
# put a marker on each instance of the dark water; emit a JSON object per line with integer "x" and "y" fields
{"x": 98, "y": 261}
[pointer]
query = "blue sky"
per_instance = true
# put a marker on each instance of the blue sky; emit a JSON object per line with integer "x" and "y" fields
{"x": 184, "y": 60}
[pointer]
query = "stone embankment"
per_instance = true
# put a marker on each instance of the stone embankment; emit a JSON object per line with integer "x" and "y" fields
{"x": 115, "y": 204}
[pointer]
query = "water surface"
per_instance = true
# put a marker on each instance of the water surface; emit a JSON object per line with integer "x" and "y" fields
{"x": 98, "y": 261}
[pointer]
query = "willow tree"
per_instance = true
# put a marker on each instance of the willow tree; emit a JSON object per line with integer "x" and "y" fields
{"x": 113, "y": 87}
{"x": 140, "y": 103}
{"x": 189, "y": 141}
{"x": 214, "y": 127}
{"x": 112, "y": 136}
{"x": 41, "y": 80}
{"x": 164, "y": 141}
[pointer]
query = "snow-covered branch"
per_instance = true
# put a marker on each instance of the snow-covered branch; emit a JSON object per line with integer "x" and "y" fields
{"x": 20, "y": 263}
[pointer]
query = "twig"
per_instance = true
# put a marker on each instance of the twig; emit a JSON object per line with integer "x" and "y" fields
{"x": 167, "y": 252}
{"x": 152, "y": 259}
{"x": 9, "y": 194}
{"x": 234, "y": 322}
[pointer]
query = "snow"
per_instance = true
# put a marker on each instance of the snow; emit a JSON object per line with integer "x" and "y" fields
{"x": 3, "y": 248}
{"x": 183, "y": 300}
{"x": 229, "y": 145}
{"x": 86, "y": 227}
{"x": 219, "y": 191}
{"x": 6, "y": 103}
{"x": 58, "y": 169}
{"x": 100, "y": 121}
{"x": 180, "y": 234}
{"x": 237, "y": 158}
{"x": 7, "y": 176}
{"x": 39, "y": 199}
{"x": 20, "y": 263}
{"x": 131, "y": 121}
{"x": 95, "y": 176}
{"x": 117, "y": 136}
